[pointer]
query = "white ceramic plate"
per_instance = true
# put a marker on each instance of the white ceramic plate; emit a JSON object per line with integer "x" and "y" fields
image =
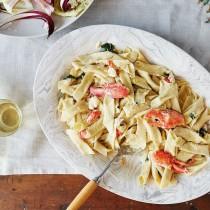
{"x": 120, "y": 180}
{"x": 34, "y": 28}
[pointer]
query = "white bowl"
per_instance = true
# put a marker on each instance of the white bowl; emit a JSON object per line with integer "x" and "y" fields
{"x": 120, "y": 180}
{"x": 34, "y": 28}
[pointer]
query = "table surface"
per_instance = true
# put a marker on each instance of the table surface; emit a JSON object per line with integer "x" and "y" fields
{"x": 54, "y": 192}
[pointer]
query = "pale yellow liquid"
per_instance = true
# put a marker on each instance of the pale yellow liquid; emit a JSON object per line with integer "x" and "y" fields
{"x": 10, "y": 117}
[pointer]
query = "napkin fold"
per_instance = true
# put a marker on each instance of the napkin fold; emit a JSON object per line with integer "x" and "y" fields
{"x": 28, "y": 151}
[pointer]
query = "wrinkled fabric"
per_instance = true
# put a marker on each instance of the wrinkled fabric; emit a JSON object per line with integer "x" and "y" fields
{"x": 28, "y": 151}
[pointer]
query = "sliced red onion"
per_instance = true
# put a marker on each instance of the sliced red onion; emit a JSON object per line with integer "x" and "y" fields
{"x": 65, "y": 5}
{"x": 31, "y": 15}
{"x": 50, "y": 1}
{"x": 45, "y": 6}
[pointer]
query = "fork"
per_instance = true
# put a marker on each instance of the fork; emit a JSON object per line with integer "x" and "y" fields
{"x": 91, "y": 186}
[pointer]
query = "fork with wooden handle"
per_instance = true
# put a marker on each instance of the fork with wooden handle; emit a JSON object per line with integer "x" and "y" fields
{"x": 89, "y": 188}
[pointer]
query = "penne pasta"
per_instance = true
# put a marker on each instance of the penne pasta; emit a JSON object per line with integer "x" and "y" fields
{"x": 125, "y": 79}
{"x": 69, "y": 110}
{"x": 153, "y": 134}
{"x": 156, "y": 175}
{"x": 204, "y": 117}
{"x": 81, "y": 145}
{"x": 82, "y": 88}
{"x": 194, "y": 110}
{"x": 145, "y": 172}
{"x": 195, "y": 148}
{"x": 195, "y": 168}
{"x": 189, "y": 135}
{"x": 140, "y": 82}
{"x": 166, "y": 178}
{"x": 184, "y": 156}
{"x": 149, "y": 80}
{"x": 170, "y": 144}
{"x": 167, "y": 91}
{"x": 151, "y": 69}
{"x": 108, "y": 119}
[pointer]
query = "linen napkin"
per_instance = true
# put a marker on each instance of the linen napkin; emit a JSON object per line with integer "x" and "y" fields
{"x": 27, "y": 151}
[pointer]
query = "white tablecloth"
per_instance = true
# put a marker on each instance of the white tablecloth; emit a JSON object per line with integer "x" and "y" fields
{"x": 28, "y": 151}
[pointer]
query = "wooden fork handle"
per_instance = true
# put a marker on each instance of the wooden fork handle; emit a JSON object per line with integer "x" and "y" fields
{"x": 83, "y": 195}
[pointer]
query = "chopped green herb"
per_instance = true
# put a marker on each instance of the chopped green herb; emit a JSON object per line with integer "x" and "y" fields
{"x": 202, "y": 132}
{"x": 73, "y": 77}
{"x": 108, "y": 47}
{"x": 192, "y": 115}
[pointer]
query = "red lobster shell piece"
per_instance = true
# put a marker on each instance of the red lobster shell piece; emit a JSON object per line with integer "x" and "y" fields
{"x": 165, "y": 159}
{"x": 164, "y": 118}
{"x": 115, "y": 90}
{"x": 93, "y": 116}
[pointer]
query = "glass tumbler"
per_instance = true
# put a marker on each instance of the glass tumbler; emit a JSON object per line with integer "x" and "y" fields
{"x": 10, "y": 117}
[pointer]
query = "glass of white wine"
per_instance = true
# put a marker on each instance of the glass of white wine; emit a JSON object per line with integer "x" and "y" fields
{"x": 10, "y": 117}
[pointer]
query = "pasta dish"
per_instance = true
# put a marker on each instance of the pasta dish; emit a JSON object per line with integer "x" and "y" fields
{"x": 114, "y": 98}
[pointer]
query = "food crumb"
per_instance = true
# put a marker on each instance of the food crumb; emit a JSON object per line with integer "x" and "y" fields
{"x": 122, "y": 161}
